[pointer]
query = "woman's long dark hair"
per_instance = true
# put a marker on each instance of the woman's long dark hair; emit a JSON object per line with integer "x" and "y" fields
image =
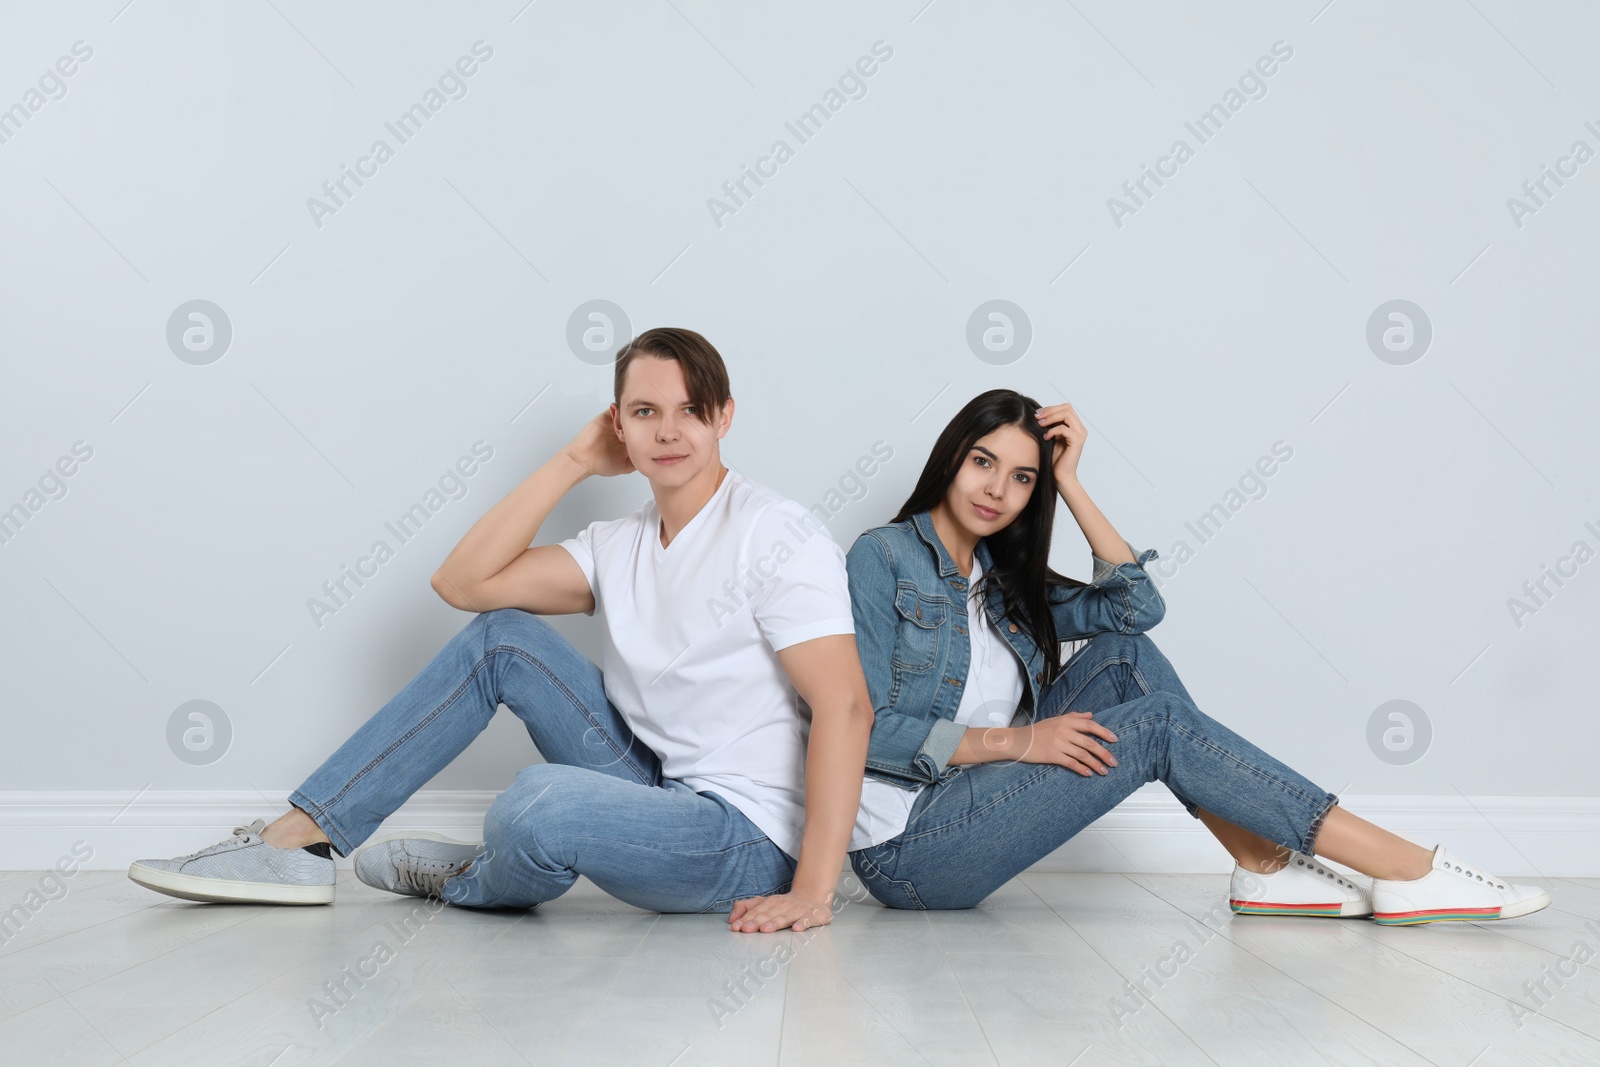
{"x": 1021, "y": 551}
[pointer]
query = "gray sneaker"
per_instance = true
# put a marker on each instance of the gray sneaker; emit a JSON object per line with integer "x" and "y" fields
{"x": 414, "y": 864}
{"x": 243, "y": 869}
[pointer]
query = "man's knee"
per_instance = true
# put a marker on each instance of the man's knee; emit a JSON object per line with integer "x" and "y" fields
{"x": 544, "y": 806}
{"x": 512, "y": 626}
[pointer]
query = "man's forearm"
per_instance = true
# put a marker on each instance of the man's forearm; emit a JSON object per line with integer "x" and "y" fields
{"x": 1104, "y": 541}
{"x": 509, "y": 527}
{"x": 835, "y": 757}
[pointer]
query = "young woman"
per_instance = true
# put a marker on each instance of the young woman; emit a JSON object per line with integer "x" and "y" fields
{"x": 987, "y": 753}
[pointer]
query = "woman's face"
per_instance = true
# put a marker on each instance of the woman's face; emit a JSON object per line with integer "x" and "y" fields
{"x": 994, "y": 481}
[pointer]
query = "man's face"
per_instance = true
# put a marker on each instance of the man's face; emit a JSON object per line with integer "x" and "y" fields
{"x": 661, "y": 428}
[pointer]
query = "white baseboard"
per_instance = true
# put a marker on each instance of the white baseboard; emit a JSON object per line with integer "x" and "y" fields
{"x": 1149, "y": 833}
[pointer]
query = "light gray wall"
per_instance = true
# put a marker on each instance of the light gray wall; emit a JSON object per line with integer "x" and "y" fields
{"x": 1225, "y": 315}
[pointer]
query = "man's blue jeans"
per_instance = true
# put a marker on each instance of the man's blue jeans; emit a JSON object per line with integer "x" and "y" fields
{"x": 599, "y": 807}
{"x": 976, "y": 830}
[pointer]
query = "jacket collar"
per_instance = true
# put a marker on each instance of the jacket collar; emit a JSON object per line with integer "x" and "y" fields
{"x": 922, "y": 521}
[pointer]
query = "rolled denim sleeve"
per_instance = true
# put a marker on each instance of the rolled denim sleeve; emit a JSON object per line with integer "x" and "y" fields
{"x": 911, "y": 747}
{"x": 1120, "y": 598}
{"x": 943, "y": 739}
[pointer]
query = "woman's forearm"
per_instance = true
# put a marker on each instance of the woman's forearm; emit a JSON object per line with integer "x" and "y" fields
{"x": 986, "y": 744}
{"x": 508, "y": 528}
{"x": 1104, "y": 541}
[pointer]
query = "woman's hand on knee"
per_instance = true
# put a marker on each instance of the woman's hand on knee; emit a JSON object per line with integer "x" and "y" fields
{"x": 779, "y": 911}
{"x": 1069, "y": 740}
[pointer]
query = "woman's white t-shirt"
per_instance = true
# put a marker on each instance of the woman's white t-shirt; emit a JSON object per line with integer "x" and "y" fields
{"x": 992, "y": 694}
{"x": 692, "y": 633}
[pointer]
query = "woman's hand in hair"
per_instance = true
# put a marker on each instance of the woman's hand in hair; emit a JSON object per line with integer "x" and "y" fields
{"x": 1062, "y": 425}
{"x": 1068, "y": 739}
{"x": 779, "y": 912}
{"x": 598, "y": 449}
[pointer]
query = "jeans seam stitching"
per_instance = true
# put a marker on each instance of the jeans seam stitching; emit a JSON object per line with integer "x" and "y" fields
{"x": 408, "y": 735}
{"x": 678, "y": 851}
{"x": 1257, "y": 771}
{"x": 873, "y": 870}
{"x": 428, "y": 719}
{"x": 1026, "y": 783}
{"x": 1100, "y": 667}
{"x": 556, "y": 681}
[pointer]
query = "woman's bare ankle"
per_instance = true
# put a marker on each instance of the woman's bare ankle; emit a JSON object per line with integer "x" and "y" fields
{"x": 293, "y": 829}
{"x": 1417, "y": 864}
{"x": 1266, "y": 865}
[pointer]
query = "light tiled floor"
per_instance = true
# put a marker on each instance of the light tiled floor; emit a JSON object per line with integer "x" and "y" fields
{"x": 1056, "y": 969}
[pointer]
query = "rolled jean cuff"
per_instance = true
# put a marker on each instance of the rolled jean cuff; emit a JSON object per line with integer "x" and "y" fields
{"x": 319, "y": 815}
{"x": 1307, "y": 840}
{"x": 1310, "y": 839}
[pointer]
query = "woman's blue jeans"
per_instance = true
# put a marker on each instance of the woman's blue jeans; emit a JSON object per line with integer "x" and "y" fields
{"x": 598, "y": 807}
{"x": 976, "y": 830}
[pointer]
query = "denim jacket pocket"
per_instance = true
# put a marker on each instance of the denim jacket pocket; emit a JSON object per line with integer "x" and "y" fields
{"x": 916, "y": 645}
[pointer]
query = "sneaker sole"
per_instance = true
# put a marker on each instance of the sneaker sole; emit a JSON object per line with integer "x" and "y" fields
{"x": 224, "y": 891}
{"x": 426, "y": 835}
{"x": 1349, "y": 909}
{"x": 1509, "y": 911}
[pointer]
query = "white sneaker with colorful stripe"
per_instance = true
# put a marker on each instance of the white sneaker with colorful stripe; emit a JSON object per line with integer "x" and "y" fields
{"x": 1300, "y": 887}
{"x": 1453, "y": 891}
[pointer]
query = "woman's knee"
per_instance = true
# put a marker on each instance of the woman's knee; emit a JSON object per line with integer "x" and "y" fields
{"x": 1111, "y": 641}
{"x": 1160, "y": 710}
{"x": 1137, "y": 650}
{"x": 1108, "y": 651}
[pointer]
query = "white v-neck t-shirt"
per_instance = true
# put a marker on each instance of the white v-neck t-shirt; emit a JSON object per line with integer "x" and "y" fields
{"x": 991, "y": 696}
{"x": 692, "y": 633}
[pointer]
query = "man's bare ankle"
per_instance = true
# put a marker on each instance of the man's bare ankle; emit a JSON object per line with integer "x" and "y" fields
{"x": 293, "y": 829}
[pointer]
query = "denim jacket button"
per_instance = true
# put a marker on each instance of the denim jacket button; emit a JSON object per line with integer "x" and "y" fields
{"x": 1014, "y": 627}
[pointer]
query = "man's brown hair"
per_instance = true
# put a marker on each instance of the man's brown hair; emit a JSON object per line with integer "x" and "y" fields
{"x": 704, "y": 374}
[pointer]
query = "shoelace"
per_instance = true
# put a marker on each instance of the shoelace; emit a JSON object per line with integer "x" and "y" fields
{"x": 243, "y": 834}
{"x": 424, "y": 876}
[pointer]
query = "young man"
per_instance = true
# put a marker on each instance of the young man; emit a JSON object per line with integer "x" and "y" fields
{"x": 684, "y": 776}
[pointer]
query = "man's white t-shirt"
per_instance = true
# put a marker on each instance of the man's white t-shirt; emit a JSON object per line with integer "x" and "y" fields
{"x": 991, "y": 696}
{"x": 692, "y": 633}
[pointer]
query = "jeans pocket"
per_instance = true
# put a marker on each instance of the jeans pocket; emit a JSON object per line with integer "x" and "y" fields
{"x": 889, "y": 892}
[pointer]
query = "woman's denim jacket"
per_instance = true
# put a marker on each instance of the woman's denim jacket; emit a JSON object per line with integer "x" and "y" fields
{"x": 910, "y": 607}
